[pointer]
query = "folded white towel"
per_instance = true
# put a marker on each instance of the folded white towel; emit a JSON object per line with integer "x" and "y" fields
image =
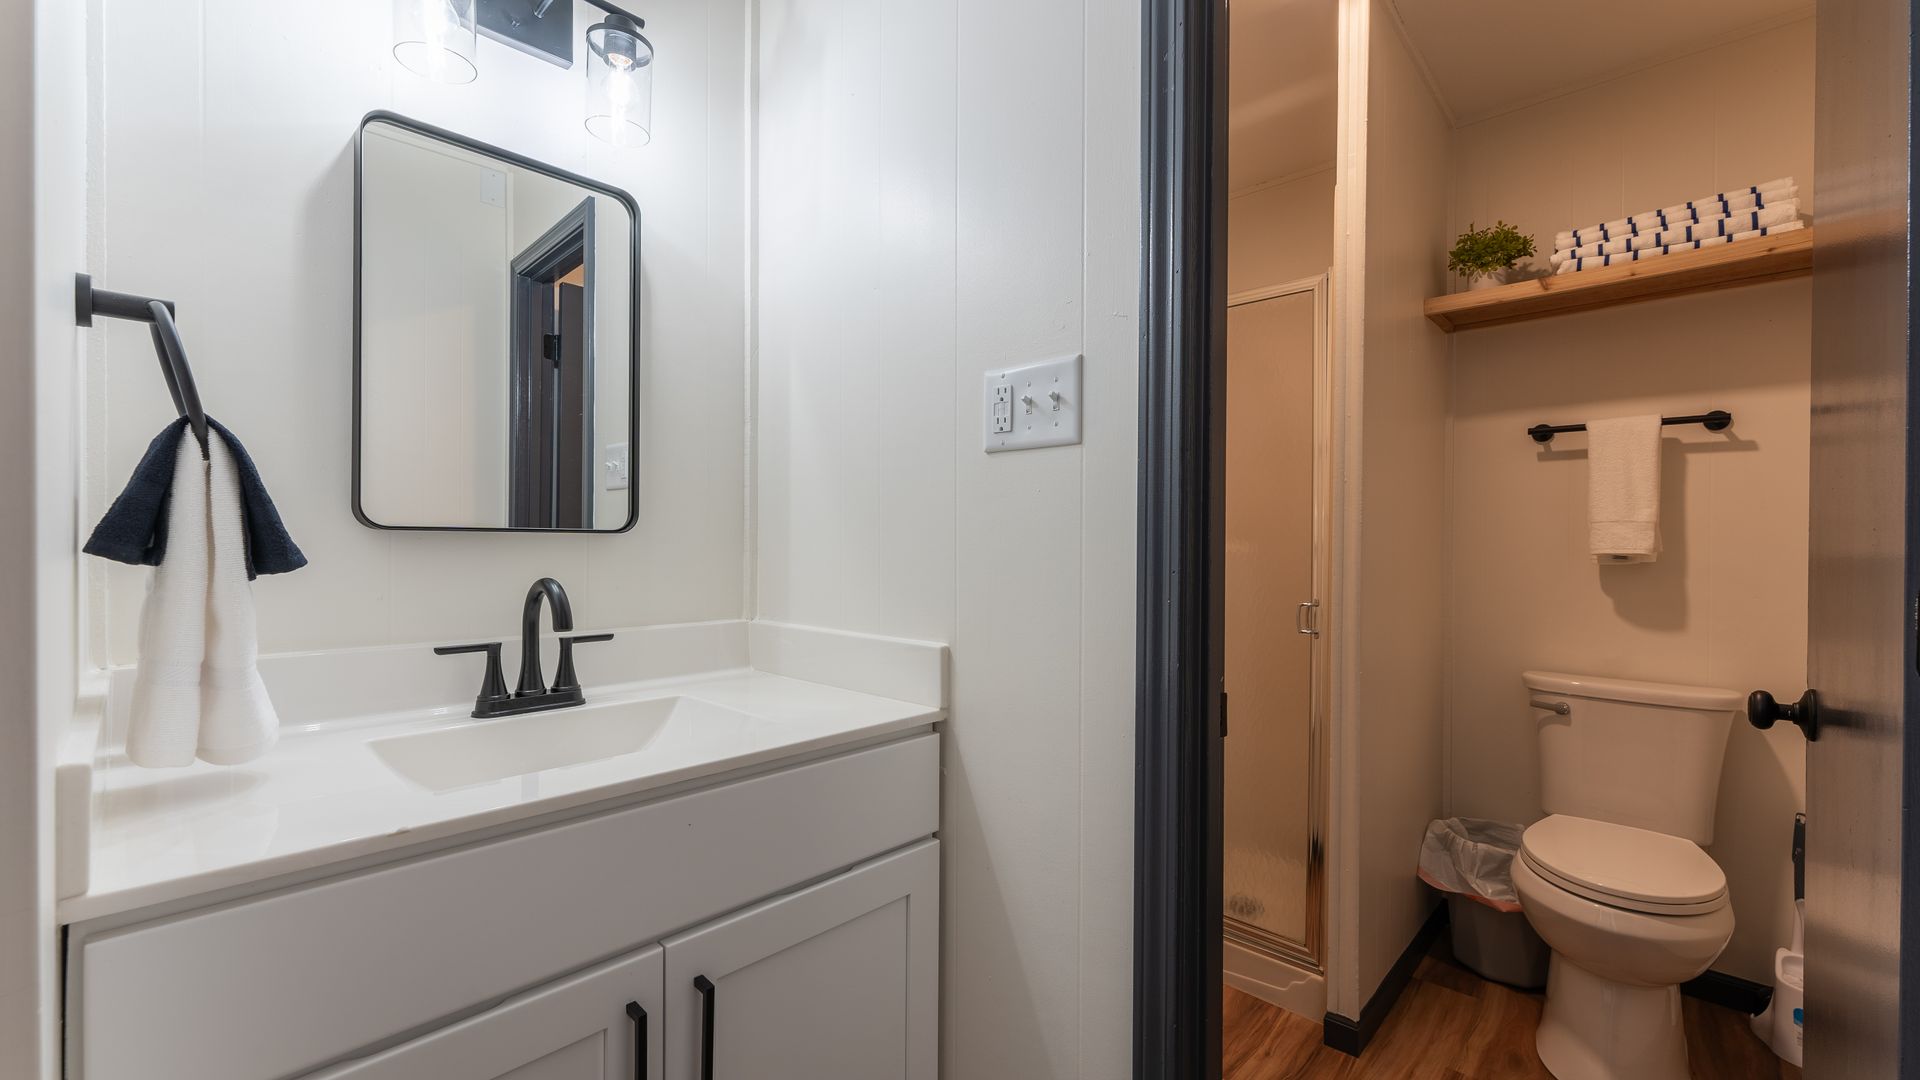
{"x": 1757, "y": 196}
{"x": 1667, "y": 221}
{"x": 1725, "y": 225}
{"x": 1573, "y": 265}
{"x": 163, "y": 727}
{"x": 1623, "y": 488}
{"x": 197, "y": 692}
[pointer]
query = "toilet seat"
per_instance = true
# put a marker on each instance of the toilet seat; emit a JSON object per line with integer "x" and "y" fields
{"x": 1624, "y": 867}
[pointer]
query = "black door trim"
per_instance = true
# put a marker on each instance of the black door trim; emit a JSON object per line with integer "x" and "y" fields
{"x": 1180, "y": 716}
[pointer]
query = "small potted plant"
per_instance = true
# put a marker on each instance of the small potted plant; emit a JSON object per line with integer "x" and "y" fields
{"x": 1485, "y": 256}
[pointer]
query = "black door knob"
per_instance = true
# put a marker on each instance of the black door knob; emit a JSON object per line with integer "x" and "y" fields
{"x": 1763, "y": 710}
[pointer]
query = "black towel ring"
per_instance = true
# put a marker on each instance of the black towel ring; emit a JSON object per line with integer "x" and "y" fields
{"x": 167, "y": 346}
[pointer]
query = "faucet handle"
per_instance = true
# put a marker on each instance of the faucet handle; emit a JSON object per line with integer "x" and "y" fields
{"x": 493, "y": 687}
{"x": 564, "y": 679}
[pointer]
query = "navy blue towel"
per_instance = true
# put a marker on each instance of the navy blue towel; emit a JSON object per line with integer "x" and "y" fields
{"x": 134, "y": 529}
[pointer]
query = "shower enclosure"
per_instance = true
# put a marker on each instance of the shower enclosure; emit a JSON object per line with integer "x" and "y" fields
{"x": 1276, "y": 524}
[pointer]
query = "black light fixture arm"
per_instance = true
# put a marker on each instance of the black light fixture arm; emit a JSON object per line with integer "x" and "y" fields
{"x": 541, "y": 6}
{"x": 613, "y": 9}
{"x": 167, "y": 346}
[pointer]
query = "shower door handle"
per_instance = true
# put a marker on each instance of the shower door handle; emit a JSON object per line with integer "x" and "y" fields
{"x": 1306, "y": 618}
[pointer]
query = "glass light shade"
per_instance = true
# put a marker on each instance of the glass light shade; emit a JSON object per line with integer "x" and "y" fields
{"x": 435, "y": 39}
{"x": 619, "y": 83}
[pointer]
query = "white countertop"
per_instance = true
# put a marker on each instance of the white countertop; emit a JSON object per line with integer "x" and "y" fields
{"x": 322, "y": 796}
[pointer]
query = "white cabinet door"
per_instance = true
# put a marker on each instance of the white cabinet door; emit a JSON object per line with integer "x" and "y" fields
{"x": 601, "y": 1024}
{"x": 838, "y": 980}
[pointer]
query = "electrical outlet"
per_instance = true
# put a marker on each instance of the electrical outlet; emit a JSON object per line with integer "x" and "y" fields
{"x": 1032, "y": 406}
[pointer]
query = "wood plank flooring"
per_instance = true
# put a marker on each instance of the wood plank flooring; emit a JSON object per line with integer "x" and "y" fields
{"x": 1452, "y": 1025}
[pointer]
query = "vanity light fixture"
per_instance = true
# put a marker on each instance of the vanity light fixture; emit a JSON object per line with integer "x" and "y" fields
{"x": 435, "y": 39}
{"x": 620, "y": 80}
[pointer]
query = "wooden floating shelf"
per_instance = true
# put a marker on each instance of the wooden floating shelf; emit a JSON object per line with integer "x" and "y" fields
{"x": 1745, "y": 262}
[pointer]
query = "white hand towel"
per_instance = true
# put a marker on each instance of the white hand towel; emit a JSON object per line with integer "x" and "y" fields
{"x": 1623, "y": 488}
{"x": 163, "y": 727}
{"x": 237, "y": 721}
{"x": 197, "y": 691}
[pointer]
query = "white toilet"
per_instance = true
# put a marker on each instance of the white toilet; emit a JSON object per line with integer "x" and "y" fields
{"x": 1614, "y": 879}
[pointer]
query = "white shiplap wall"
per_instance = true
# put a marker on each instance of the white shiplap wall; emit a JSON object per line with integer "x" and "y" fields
{"x": 941, "y": 196}
{"x": 224, "y": 180}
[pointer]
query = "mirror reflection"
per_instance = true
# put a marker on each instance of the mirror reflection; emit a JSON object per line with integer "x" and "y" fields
{"x": 495, "y": 339}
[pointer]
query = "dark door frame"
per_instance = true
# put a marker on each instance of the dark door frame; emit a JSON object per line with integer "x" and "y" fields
{"x": 1181, "y": 707}
{"x": 534, "y": 480}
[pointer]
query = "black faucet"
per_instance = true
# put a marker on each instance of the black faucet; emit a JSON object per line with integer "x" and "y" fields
{"x": 532, "y": 694}
{"x": 531, "y": 681}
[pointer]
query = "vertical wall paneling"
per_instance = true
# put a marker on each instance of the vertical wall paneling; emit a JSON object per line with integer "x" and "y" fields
{"x": 1389, "y": 754}
{"x": 1724, "y": 604}
{"x": 25, "y": 767}
{"x": 225, "y": 183}
{"x": 925, "y": 216}
{"x": 43, "y": 217}
{"x": 1108, "y": 509}
{"x": 1281, "y": 233}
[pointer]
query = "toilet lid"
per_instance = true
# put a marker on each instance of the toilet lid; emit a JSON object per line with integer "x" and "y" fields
{"x": 1623, "y": 866}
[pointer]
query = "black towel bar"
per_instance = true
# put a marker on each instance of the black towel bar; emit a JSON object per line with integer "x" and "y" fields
{"x": 1717, "y": 420}
{"x": 158, "y": 315}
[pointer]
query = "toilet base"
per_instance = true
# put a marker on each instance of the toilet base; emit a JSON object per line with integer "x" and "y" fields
{"x": 1599, "y": 1029}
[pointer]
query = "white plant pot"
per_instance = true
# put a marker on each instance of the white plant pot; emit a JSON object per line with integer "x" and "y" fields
{"x": 1489, "y": 281}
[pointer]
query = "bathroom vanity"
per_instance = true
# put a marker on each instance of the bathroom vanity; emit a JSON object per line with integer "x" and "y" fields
{"x": 727, "y": 873}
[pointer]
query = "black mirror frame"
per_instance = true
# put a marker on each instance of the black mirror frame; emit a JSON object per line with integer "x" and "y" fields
{"x": 633, "y": 321}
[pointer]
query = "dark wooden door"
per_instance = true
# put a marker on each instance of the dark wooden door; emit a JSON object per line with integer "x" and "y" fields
{"x": 1861, "y": 1012}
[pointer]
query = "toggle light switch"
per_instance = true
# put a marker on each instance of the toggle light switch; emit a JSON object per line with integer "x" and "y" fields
{"x": 1048, "y": 410}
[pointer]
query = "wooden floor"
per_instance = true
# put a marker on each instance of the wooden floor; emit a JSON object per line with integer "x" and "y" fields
{"x": 1452, "y": 1025}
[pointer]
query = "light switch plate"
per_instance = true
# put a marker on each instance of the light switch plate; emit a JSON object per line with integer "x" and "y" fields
{"x": 615, "y": 465}
{"x": 1045, "y": 404}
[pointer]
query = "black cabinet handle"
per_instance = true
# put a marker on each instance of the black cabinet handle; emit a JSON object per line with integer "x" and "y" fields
{"x": 705, "y": 986}
{"x": 639, "y": 1016}
{"x": 1763, "y": 711}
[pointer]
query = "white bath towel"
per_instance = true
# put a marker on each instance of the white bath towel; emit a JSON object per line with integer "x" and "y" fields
{"x": 163, "y": 726}
{"x": 1623, "y": 488}
{"x": 1725, "y": 225}
{"x": 237, "y": 721}
{"x": 1726, "y": 202}
{"x": 197, "y": 692}
{"x": 1574, "y": 265}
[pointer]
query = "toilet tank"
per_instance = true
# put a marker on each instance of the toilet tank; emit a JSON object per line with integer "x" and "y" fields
{"x": 1634, "y": 753}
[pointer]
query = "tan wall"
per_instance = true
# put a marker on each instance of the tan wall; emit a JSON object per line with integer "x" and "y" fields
{"x": 1725, "y": 605}
{"x": 1280, "y": 233}
{"x": 1398, "y": 706}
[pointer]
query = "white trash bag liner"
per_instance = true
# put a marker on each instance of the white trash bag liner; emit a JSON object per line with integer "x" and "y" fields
{"x": 1472, "y": 857}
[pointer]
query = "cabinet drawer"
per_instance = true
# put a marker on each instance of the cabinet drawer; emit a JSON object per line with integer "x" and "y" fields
{"x": 278, "y": 985}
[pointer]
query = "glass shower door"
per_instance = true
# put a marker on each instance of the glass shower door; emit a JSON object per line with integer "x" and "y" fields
{"x": 1275, "y": 346}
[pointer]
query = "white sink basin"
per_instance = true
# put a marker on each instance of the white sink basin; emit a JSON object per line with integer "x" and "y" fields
{"x": 674, "y": 728}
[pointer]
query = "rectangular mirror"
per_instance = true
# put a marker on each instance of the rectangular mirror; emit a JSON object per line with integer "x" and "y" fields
{"x": 496, "y": 318}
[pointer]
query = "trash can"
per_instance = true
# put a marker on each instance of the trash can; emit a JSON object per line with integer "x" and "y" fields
{"x": 1471, "y": 861}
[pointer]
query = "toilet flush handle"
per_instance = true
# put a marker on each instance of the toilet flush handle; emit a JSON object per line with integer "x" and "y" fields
{"x": 1560, "y": 708}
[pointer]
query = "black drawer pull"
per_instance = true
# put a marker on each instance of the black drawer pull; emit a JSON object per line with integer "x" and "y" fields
{"x": 639, "y": 1016}
{"x": 705, "y": 986}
